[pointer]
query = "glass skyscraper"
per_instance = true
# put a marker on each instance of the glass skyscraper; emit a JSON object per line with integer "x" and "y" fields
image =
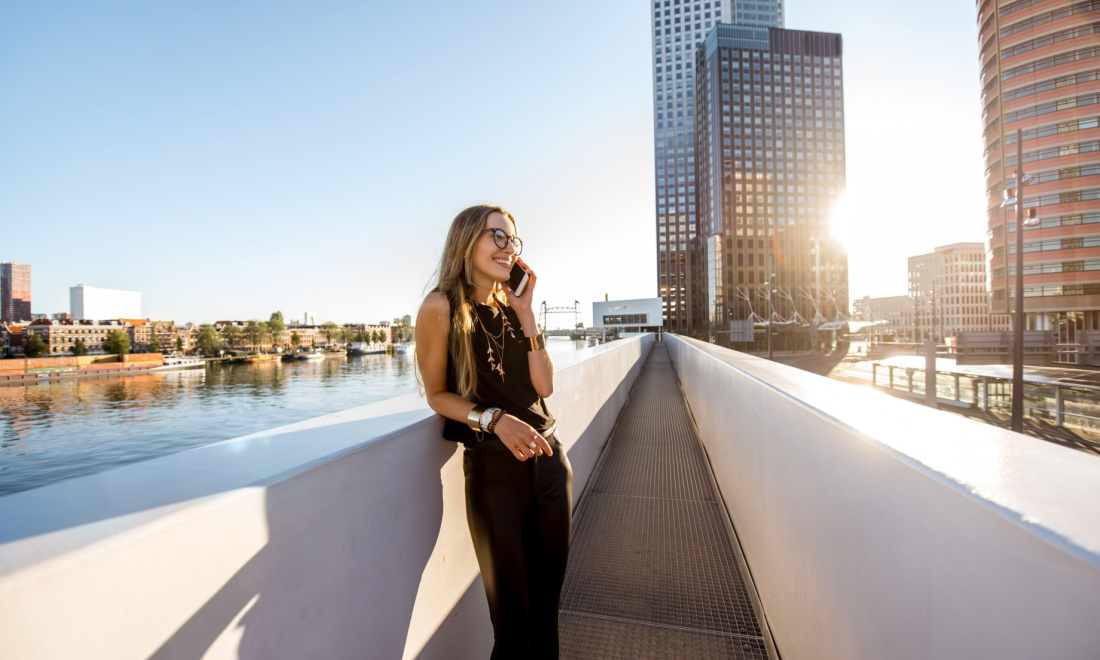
{"x": 678, "y": 27}
{"x": 769, "y": 152}
{"x": 15, "y": 292}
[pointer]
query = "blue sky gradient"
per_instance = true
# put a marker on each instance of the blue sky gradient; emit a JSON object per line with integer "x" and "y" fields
{"x": 231, "y": 159}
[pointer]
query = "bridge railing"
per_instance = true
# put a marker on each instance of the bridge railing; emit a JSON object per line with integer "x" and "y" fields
{"x": 875, "y": 528}
{"x": 341, "y": 536}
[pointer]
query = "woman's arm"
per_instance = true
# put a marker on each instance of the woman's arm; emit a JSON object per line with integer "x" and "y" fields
{"x": 433, "y": 326}
{"x": 539, "y": 362}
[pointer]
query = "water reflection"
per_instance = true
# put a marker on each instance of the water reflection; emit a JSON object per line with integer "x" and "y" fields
{"x": 58, "y": 429}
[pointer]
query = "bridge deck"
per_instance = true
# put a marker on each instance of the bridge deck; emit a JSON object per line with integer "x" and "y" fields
{"x": 652, "y": 571}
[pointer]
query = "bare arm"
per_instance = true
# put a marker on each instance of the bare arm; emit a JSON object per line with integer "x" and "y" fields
{"x": 433, "y": 326}
{"x": 539, "y": 362}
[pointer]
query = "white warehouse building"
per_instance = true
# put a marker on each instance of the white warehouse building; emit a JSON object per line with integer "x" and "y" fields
{"x": 639, "y": 315}
{"x": 91, "y": 303}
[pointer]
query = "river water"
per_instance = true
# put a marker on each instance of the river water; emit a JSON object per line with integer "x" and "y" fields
{"x": 65, "y": 428}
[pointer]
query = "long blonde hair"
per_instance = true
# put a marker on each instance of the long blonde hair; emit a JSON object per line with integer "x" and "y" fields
{"x": 456, "y": 282}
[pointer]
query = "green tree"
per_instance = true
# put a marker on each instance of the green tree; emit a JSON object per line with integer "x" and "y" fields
{"x": 154, "y": 344}
{"x": 35, "y": 347}
{"x": 275, "y": 330}
{"x": 277, "y": 327}
{"x": 295, "y": 339}
{"x": 79, "y": 348}
{"x": 207, "y": 339}
{"x": 179, "y": 344}
{"x": 117, "y": 343}
{"x": 254, "y": 333}
{"x": 402, "y": 330}
{"x": 329, "y": 330}
{"x": 231, "y": 334}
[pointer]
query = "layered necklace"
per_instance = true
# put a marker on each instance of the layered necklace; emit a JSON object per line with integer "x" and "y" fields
{"x": 496, "y": 360}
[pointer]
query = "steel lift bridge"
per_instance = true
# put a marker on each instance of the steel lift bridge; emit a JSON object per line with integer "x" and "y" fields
{"x": 576, "y": 331}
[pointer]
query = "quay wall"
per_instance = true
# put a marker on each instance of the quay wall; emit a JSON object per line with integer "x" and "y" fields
{"x": 343, "y": 536}
{"x": 877, "y": 528}
{"x": 30, "y": 369}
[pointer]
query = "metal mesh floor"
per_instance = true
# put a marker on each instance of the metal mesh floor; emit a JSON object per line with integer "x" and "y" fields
{"x": 652, "y": 572}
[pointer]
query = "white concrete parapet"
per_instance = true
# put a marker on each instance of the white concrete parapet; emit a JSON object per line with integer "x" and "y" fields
{"x": 338, "y": 537}
{"x": 876, "y": 528}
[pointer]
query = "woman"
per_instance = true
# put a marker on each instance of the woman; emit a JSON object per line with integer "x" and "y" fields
{"x": 486, "y": 370}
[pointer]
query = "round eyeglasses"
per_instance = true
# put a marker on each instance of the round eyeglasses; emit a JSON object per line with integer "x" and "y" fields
{"x": 501, "y": 240}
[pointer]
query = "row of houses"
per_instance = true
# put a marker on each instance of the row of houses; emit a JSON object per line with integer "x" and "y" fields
{"x": 60, "y": 335}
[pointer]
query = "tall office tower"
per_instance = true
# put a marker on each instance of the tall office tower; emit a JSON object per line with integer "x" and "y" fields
{"x": 763, "y": 14}
{"x": 15, "y": 292}
{"x": 769, "y": 166}
{"x": 948, "y": 295}
{"x": 91, "y": 303}
{"x": 679, "y": 26}
{"x": 1040, "y": 72}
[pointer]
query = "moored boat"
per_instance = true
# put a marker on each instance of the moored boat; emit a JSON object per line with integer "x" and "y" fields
{"x": 180, "y": 362}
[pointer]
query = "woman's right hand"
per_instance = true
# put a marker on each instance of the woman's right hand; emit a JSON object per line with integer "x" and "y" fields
{"x": 518, "y": 435}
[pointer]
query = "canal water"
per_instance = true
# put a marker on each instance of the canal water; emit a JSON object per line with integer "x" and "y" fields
{"x": 65, "y": 428}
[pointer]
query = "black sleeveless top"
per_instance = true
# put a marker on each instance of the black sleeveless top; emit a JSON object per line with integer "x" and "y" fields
{"x": 512, "y": 392}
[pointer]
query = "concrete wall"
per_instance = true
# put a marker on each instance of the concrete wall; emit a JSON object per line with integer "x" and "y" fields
{"x": 339, "y": 537}
{"x": 876, "y": 528}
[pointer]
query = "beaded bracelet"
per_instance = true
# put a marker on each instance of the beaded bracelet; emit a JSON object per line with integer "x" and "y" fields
{"x": 497, "y": 414}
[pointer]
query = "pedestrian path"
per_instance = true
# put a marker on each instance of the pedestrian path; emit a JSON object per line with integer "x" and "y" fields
{"x": 652, "y": 571}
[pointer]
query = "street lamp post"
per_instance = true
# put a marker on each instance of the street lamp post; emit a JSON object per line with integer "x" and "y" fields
{"x": 771, "y": 313}
{"x": 1016, "y": 196}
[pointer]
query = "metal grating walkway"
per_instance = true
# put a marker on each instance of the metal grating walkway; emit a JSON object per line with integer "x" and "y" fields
{"x": 652, "y": 572}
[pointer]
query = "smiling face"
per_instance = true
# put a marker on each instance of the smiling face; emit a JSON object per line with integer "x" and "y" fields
{"x": 491, "y": 263}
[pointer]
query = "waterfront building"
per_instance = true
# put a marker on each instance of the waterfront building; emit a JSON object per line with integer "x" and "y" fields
{"x": 947, "y": 290}
{"x": 638, "y": 315}
{"x": 1040, "y": 72}
{"x": 369, "y": 329}
{"x": 15, "y": 292}
{"x": 170, "y": 336}
{"x": 60, "y": 336}
{"x": 11, "y": 339}
{"x": 891, "y": 317}
{"x": 92, "y": 303}
{"x": 769, "y": 167}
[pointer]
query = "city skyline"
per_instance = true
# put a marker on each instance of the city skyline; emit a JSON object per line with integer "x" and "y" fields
{"x": 263, "y": 171}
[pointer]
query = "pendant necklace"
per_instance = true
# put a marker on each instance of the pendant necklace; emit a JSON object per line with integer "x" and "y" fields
{"x": 496, "y": 362}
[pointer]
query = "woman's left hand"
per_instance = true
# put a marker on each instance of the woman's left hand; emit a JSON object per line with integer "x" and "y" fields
{"x": 523, "y": 303}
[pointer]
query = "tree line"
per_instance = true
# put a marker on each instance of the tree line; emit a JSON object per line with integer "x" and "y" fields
{"x": 255, "y": 333}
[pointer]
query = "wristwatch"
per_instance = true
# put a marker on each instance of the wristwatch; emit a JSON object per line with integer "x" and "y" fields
{"x": 486, "y": 418}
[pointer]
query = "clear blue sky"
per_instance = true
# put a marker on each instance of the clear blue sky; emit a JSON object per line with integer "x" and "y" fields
{"x": 231, "y": 159}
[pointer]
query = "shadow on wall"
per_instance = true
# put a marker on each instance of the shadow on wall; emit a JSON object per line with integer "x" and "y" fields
{"x": 324, "y": 577}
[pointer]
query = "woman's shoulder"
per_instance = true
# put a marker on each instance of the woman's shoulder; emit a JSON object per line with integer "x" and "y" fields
{"x": 436, "y": 301}
{"x": 435, "y": 309}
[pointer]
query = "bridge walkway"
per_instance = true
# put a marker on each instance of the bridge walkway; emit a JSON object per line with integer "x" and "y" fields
{"x": 653, "y": 572}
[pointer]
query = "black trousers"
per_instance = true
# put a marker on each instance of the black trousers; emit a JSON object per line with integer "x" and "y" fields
{"x": 520, "y": 516}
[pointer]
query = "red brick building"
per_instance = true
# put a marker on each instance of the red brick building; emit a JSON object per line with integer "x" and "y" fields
{"x": 1040, "y": 72}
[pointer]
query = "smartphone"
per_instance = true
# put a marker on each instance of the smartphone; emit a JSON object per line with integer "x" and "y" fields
{"x": 517, "y": 281}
